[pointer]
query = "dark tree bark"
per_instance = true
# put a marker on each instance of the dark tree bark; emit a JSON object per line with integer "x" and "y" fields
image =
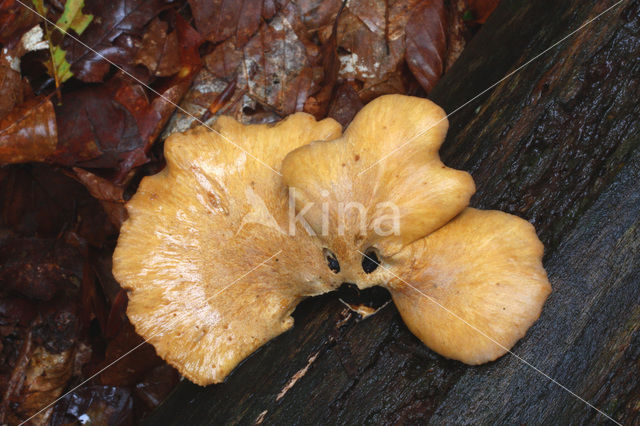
{"x": 556, "y": 143}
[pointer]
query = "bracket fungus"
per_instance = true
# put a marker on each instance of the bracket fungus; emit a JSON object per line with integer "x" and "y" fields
{"x": 218, "y": 249}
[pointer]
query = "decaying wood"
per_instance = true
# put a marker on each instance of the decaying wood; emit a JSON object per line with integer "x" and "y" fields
{"x": 556, "y": 143}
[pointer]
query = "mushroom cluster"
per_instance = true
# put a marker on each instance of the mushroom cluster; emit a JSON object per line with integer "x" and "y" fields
{"x": 219, "y": 248}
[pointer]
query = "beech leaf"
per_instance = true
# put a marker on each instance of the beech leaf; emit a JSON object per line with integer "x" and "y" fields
{"x": 113, "y": 36}
{"x": 28, "y": 132}
{"x": 218, "y": 20}
{"x": 426, "y": 42}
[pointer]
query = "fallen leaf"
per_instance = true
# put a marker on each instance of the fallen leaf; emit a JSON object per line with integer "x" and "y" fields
{"x": 275, "y": 68}
{"x": 319, "y": 15}
{"x": 10, "y": 87}
{"x": 172, "y": 91}
{"x": 366, "y": 54}
{"x": 71, "y": 18}
{"x": 36, "y": 267}
{"x": 113, "y": 125}
{"x": 345, "y": 104}
{"x": 117, "y": 318}
{"x": 457, "y": 32}
{"x": 225, "y": 59}
{"x": 206, "y": 90}
{"x": 159, "y": 51}
{"x": 426, "y": 41}
{"x": 97, "y": 131}
{"x": 371, "y": 42}
{"x": 130, "y": 370}
{"x": 37, "y": 200}
{"x": 113, "y": 36}
{"x": 318, "y": 104}
{"x": 28, "y": 132}
{"x": 219, "y": 20}
{"x": 109, "y": 194}
{"x": 15, "y": 20}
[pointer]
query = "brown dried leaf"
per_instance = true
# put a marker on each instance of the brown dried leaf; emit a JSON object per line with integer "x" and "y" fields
{"x": 10, "y": 87}
{"x": 28, "y": 132}
{"x": 457, "y": 32}
{"x": 318, "y": 104}
{"x": 207, "y": 90}
{"x": 159, "y": 52}
{"x": 109, "y": 194}
{"x": 131, "y": 369}
{"x": 275, "y": 68}
{"x": 426, "y": 41}
{"x": 318, "y": 15}
{"x": 219, "y": 20}
{"x": 113, "y": 125}
{"x": 37, "y": 268}
{"x": 366, "y": 56}
{"x": 372, "y": 45}
{"x": 223, "y": 62}
{"x": 15, "y": 20}
{"x": 37, "y": 200}
{"x": 345, "y": 104}
{"x": 114, "y": 35}
{"x": 98, "y": 131}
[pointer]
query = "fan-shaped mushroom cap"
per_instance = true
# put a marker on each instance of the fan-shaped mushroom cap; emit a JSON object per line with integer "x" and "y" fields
{"x": 387, "y": 161}
{"x": 483, "y": 268}
{"x": 196, "y": 233}
{"x": 471, "y": 289}
{"x": 214, "y": 270}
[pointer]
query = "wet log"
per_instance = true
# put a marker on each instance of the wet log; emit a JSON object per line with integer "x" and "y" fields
{"x": 556, "y": 143}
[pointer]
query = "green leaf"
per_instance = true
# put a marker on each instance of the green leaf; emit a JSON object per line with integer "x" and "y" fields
{"x": 71, "y": 18}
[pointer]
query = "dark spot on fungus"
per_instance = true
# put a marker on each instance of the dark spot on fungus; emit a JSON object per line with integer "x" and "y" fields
{"x": 332, "y": 260}
{"x": 370, "y": 261}
{"x": 357, "y": 157}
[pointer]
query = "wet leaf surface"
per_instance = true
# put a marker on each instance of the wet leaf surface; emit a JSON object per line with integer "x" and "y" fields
{"x": 114, "y": 36}
{"x": 427, "y": 43}
{"x": 28, "y": 132}
{"x": 15, "y": 20}
{"x": 159, "y": 51}
{"x": 219, "y": 20}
